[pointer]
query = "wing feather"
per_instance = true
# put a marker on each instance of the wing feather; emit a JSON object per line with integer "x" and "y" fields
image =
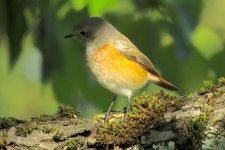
{"x": 131, "y": 52}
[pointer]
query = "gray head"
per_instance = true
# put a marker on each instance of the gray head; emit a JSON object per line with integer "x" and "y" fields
{"x": 93, "y": 28}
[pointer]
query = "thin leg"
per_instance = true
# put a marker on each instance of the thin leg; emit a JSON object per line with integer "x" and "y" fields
{"x": 110, "y": 107}
{"x": 128, "y": 107}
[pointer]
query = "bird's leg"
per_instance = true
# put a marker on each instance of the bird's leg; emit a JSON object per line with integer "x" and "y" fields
{"x": 128, "y": 106}
{"x": 109, "y": 109}
{"x": 126, "y": 110}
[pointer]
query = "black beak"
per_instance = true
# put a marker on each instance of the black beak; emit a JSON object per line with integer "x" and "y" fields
{"x": 69, "y": 35}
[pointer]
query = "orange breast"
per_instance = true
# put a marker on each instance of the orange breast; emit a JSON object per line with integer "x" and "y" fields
{"x": 114, "y": 71}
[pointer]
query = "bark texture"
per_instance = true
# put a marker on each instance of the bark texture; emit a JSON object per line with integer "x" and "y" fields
{"x": 157, "y": 121}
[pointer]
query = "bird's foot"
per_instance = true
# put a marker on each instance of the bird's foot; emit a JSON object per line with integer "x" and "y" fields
{"x": 110, "y": 117}
{"x": 107, "y": 116}
{"x": 111, "y": 114}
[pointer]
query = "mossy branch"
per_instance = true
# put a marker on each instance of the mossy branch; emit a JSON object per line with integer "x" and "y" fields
{"x": 156, "y": 121}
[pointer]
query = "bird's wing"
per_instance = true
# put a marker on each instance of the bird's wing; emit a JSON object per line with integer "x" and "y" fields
{"x": 132, "y": 53}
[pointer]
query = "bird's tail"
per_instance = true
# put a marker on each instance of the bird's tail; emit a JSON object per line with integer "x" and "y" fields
{"x": 163, "y": 83}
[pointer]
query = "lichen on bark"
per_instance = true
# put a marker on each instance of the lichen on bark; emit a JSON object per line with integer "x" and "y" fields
{"x": 155, "y": 121}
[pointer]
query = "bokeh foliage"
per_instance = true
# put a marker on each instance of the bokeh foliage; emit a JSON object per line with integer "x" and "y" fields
{"x": 40, "y": 70}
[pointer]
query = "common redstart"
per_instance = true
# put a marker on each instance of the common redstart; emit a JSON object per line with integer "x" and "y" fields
{"x": 116, "y": 63}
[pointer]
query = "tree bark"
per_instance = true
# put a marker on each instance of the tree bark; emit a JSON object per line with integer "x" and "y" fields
{"x": 155, "y": 121}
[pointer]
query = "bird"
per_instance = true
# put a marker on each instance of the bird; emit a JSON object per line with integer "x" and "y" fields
{"x": 116, "y": 63}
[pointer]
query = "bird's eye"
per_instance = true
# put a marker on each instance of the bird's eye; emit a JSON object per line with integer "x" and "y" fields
{"x": 83, "y": 33}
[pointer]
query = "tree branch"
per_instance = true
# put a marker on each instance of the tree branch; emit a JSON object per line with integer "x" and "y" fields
{"x": 156, "y": 121}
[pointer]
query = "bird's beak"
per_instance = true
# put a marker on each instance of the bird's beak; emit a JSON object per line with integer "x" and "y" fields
{"x": 69, "y": 35}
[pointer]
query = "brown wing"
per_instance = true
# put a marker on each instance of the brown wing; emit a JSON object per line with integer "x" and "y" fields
{"x": 132, "y": 53}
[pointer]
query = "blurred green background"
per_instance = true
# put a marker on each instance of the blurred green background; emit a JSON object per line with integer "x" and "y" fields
{"x": 39, "y": 69}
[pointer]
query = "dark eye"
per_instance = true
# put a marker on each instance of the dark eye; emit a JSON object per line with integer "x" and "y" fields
{"x": 83, "y": 33}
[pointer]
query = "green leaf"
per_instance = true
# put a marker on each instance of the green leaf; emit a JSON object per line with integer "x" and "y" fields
{"x": 78, "y": 4}
{"x": 206, "y": 41}
{"x": 98, "y": 7}
{"x": 63, "y": 10}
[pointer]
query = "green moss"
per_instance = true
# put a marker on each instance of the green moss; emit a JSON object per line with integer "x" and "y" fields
{"x": 48, "y": 129}
{"x": 6, "y": 123}
{"x": 66, "y": 111}
{"x": 197, "y": 126}
{"x": 146, "y": 111}
{"x": 72, "y": 144}
{"x": 208, "y": 109}
{"x": 3, "y": 141}
{"x": 44, "y": 118}
{"x": 221, "y": 81}
{"x": 57, "y": 136}
{"x": 25, "y": 129}
{"x": 218, "y": 93}
{"x": 207, "y": 86}
{"x": 191, "y": 95}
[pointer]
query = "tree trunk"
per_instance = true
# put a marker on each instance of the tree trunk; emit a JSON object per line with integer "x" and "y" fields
{"x": 156, "y": 121}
